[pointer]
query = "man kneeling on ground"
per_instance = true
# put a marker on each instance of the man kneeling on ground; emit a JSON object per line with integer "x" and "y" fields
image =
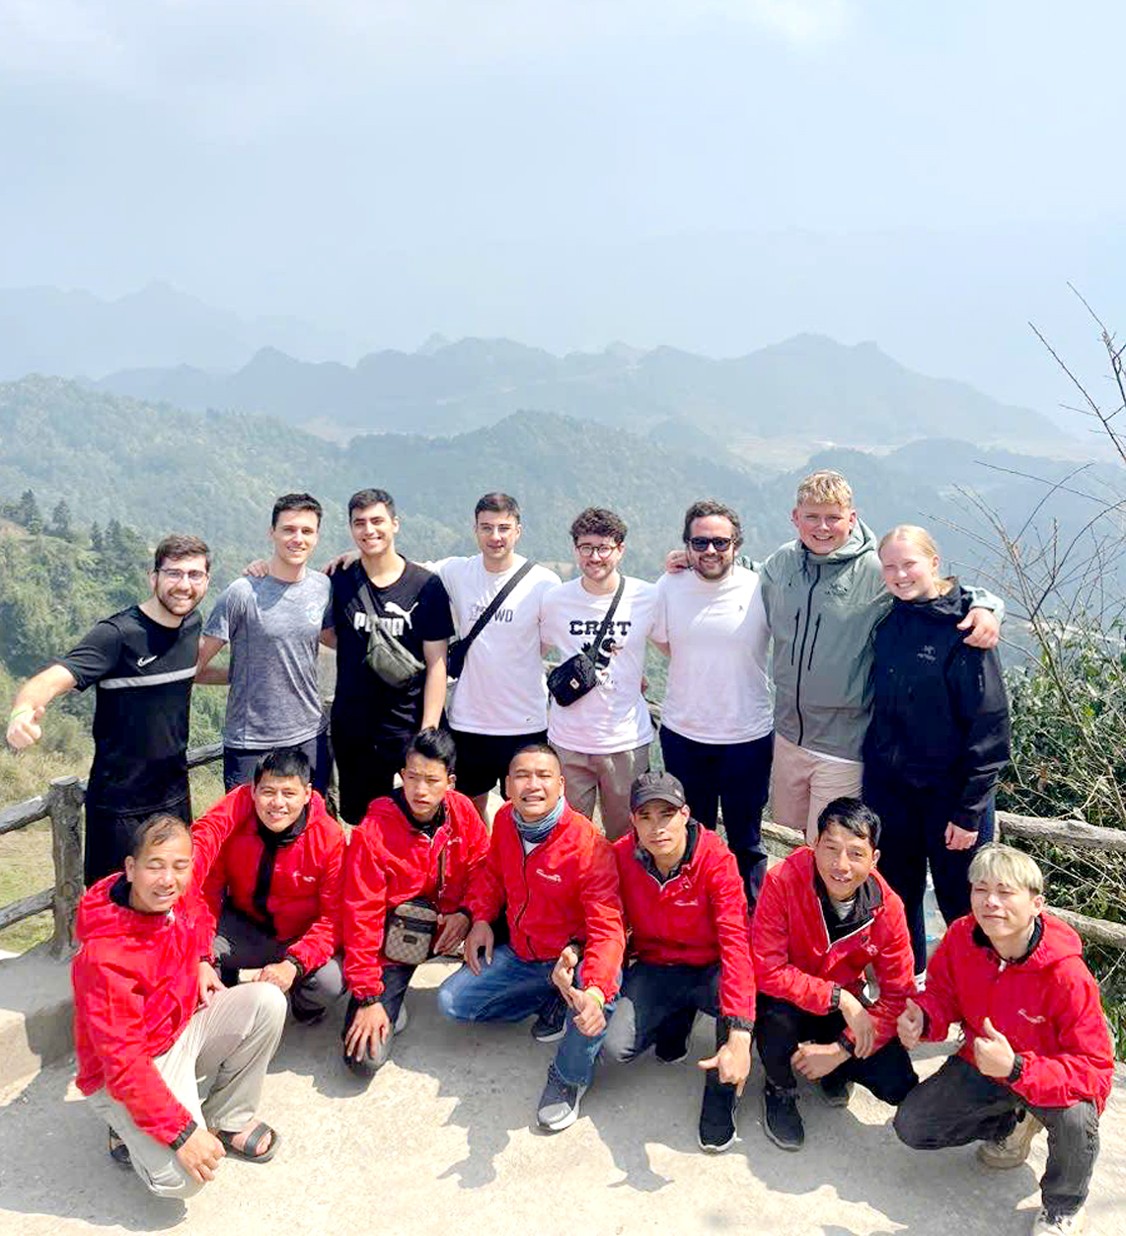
{"x": 554, "y": 876}
{"x": 686, "y": 911}
{"x": 1037, "y": 1052}
{"x": 275, "y": 887}
{"x": 169, "y": 1057}
{"x": 825, "y": 917}
{"x": 414, "y": 853}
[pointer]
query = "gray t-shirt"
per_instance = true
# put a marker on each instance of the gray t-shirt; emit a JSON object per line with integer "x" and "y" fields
{"x": 274, "y": 631}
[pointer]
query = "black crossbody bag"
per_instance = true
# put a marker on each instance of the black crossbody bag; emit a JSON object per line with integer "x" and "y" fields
{"x": 387, "y": 659}
{"x": 578, "y": 675}
{"x": 455, "y": 658}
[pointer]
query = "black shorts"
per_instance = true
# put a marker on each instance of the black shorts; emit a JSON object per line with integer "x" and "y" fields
{"x": 483, "y": 759}
{"x": 110, "y": 835}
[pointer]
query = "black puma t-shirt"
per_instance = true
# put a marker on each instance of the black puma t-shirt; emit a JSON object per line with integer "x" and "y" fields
{"x": 414, "y": 609}
{"x": 143, "y": 672}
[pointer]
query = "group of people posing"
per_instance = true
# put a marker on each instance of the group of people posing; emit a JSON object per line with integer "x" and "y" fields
{"x": 881, "y": 741}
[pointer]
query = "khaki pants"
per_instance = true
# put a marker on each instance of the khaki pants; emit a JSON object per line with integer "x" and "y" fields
{"x": 606, "y": 778}
{"x": 215, "y": 1069}
{"x": 804, "y": 783}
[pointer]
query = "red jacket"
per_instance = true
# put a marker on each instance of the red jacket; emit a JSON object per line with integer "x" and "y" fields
{"x": 565, "y": 890}
{"x": 1047, "y": 1006}
{"x": 389, "y": 862}
{"x": 136, "y": 986}
{"x": 795, "y": 961}
{"x": 302, "y": 906}
{"x": 697, "y": 918}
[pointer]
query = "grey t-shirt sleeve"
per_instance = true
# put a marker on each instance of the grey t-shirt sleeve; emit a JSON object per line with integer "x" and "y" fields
{"x": 218, "y": 624}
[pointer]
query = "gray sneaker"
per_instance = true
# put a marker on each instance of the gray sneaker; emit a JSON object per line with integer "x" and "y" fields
{"x": 559, "y": 1104}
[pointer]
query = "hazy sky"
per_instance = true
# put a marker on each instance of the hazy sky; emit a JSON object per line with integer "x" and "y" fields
{"x": 713, "y": 174}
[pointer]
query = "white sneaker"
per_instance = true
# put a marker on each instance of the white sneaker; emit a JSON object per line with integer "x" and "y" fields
{"x": 1060, "y": 1225}
{"x": 1012, "y": 1150}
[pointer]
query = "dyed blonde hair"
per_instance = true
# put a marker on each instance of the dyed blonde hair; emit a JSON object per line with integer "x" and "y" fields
{"x": 825, "y": 486}
{"x": 923, "y": 542}
{"x": 1008, "y": 866}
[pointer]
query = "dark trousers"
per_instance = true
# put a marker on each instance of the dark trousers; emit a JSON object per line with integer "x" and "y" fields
{"x": 913, "y": 827}
{"x": 110, "y": 835}
{"x": 732, "y": 778}
{"x": 239, "y": 763}
{"x": 781, "y": 1026}
{"x": 242, "y": 945}
{"x": 366, "y": 770}
{"x": 396, "y": 980}
{"x": 659, "y": 1002}
{"x": 959, "y": 1105}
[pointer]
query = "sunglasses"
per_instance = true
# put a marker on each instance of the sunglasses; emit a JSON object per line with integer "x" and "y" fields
{"x": 700, "y": 543}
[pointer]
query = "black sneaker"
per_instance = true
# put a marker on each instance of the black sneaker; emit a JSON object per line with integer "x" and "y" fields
{"x": 558, "y": 1107}
{"x": 717, "y": 1120}
{"x": 835, "y": 1089}
{"x": 781, "y": 1120}
{"x": 551, "y": 1022}
{"x": 118, "y": 1151}
{"x": 306, "y": 1013}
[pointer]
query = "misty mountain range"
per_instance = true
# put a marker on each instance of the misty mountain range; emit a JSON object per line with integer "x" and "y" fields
{"x": 770, "y": 407}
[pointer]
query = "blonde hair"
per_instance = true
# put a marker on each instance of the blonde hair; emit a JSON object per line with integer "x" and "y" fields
{"x": 1008, "y": 866}
{"x": 825, "y": 486}
{"x": 923, "y": 542}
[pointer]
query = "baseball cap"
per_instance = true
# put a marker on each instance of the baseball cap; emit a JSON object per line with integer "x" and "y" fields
{"x": 653, "y": 785}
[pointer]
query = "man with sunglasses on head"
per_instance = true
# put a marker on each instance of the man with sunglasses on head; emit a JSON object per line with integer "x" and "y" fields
{"x": 716, "y": 726}
{"x": 142, "y": 660}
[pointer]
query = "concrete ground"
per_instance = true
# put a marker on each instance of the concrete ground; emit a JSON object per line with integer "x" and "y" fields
{"x": 444, "y": 1142}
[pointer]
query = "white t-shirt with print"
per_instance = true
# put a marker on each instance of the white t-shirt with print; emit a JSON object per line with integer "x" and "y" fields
{"x": 613, "y": 716}
{"x": 502, "y": 689}
{"x": 718, "y": 689}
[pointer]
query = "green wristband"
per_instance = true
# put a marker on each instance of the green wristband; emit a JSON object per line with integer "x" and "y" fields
{"x": 18, "y": 712}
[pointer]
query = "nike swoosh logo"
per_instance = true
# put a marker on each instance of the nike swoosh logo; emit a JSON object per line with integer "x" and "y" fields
{"x": 142, "y": 661}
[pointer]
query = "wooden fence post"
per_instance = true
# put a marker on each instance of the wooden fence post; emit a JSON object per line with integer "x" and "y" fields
{"x": 64, "y": 805}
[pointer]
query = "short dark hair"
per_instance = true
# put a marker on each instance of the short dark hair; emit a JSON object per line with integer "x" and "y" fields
{"x": 598, "y": 521}
{"x": 363, "y": 498}
{"x": 854, "y": 817}
{"x": 296, "y": 502}
{"x": 156, "y": 830}
{"x": 710, "y": 506}
{"x": 536, "y": 748}
{"x": 498, "y": 503}
{"x": 284, "y": 762}
{"x": 180, "y": 545}
{"x": 432, "y": 744}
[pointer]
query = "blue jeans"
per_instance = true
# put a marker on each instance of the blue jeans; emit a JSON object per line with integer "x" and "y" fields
{"x": 510, "y": 990}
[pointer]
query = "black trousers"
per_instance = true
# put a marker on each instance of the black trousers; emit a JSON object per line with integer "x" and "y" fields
{"x": 365, "y": 770}
{"x": 781, "y": 1026}
{"x": 912, "y": 835}
{"x": 959, "y": 1105}
{"x": 396, "y": 980}
{"x": 110, "y": 835}
{"x": 733, "y": 778}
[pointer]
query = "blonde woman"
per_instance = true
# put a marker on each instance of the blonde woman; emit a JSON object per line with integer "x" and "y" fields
{"x": 939, "y": 734}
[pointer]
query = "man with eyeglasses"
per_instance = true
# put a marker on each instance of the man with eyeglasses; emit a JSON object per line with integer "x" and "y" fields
{"x": 142, "y": 661}
{"x": 603, "y": 738}
{"x": 716, "y": 725}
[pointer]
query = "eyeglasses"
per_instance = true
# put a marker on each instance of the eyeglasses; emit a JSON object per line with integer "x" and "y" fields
{"x": 174, "y": 575}
{"x": 700, "y": 543}
{"x": 595, "y": 551}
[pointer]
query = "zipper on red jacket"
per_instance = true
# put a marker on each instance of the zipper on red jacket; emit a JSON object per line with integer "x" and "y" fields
{"x": 520, "y": 913}
{"x": 801, "y": 655}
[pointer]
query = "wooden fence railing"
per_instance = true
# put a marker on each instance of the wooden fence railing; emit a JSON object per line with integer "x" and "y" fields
{"x": 62, "y": 804}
